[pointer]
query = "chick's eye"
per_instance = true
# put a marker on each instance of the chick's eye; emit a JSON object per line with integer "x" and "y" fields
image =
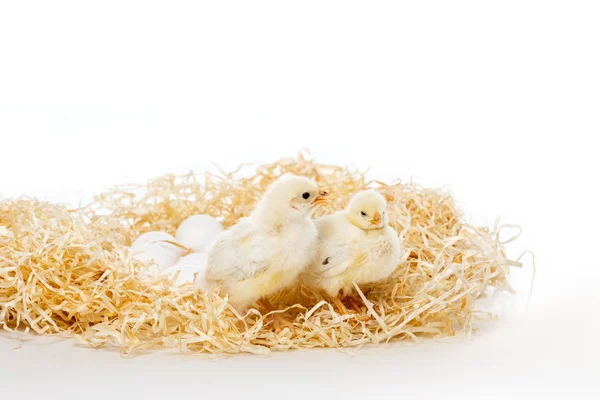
{"x": 305, "y": 195}
{"x": 364, "y": 214}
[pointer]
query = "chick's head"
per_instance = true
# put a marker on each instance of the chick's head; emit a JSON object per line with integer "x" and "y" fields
{"x": 294, "y": 195}
{"x": 367, "y": 210}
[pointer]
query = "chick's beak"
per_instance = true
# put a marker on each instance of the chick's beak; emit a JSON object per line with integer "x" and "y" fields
{"x": 321, "y": 198}
{"x": 376, "y": 218}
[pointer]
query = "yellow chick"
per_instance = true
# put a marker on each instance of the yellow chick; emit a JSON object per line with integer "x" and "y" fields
{"x": 356, "y": 245}
{"x": 266, "y": 251}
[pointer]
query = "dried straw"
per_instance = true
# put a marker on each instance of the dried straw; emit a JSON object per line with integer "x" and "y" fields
{"x": 69, "y": 272}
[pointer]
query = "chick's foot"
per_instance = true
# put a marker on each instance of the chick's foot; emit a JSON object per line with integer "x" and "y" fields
{"x": 339, "y": 305}
{"x": 280, "y": 323}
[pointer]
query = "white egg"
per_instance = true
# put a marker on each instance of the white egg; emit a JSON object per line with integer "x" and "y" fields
{"x": 198, "y": 232}
{"x": 189, "y": 267}
{"x": 184, "y": 275}
{"x": 162, "y": 256}
{"x": 158, "y": 238}
{"x": 193, "y": 260}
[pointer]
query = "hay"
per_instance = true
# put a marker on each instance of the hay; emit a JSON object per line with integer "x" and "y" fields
{"x": 69, "y": 272}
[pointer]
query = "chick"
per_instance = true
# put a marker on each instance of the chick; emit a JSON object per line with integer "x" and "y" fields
{"x": 355, "y": 245}
{"x": 266, "y": 251}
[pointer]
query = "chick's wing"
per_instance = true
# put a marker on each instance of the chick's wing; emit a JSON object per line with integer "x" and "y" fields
{"x": 239, "y": 254}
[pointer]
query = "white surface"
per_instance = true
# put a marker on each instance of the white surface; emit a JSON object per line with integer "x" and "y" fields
{"x": 497, "y": 101}
{"x": 510, "y": 359}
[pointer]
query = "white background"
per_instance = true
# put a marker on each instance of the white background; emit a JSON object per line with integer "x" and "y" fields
{"x": 498, "y": 101}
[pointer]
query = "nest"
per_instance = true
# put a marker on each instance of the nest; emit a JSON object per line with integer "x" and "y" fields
{"x": 69, "y": 272}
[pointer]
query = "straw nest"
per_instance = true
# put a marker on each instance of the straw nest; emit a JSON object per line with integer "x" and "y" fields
{"x": 69, "y": 272}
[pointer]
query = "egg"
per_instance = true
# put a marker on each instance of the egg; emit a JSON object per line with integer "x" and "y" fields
{"x": 159, "y": 238}
{"x": 198, "y": 260}
{"x": 184, "y": 275}
{"x": 163, "y": 256}
{"x": 198, "y": 232}
{"x": 189, "y": 267}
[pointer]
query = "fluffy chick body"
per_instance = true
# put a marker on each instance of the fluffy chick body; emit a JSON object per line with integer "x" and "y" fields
{"x": 354, "y": 247}
{"x": 266, "y": 252}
